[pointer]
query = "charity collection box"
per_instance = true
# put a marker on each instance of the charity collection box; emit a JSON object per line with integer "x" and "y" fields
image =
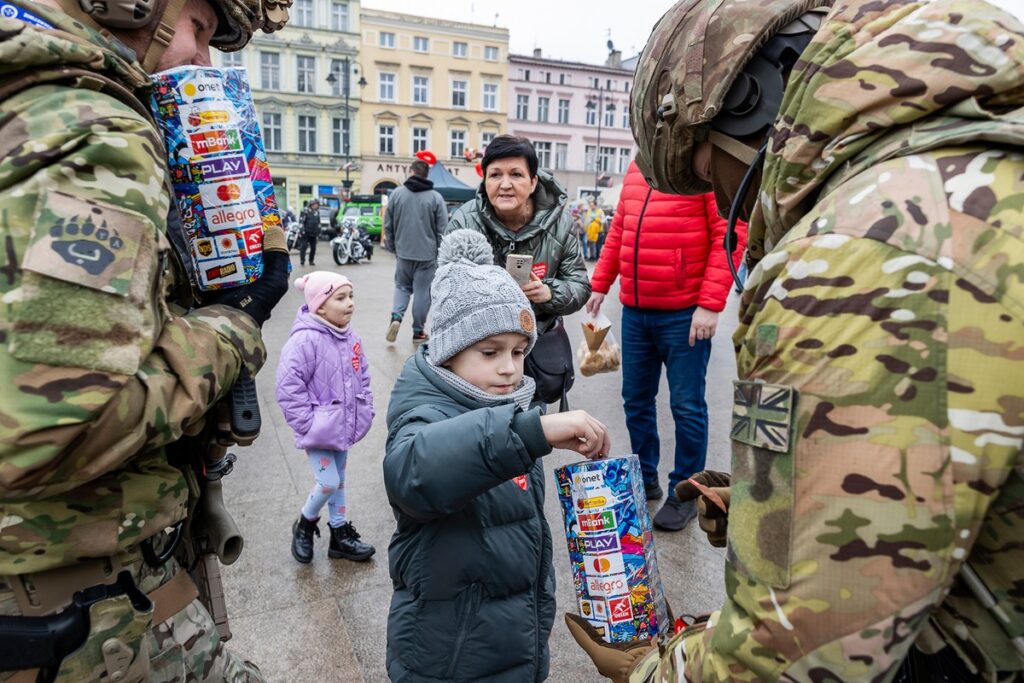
{"x": 611, "y": 548}
{"x": 218, "y": 167}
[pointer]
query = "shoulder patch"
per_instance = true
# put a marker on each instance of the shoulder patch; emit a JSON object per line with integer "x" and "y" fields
{"x": 762, "y": 415}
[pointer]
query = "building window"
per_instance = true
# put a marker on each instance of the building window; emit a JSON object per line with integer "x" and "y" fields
{"x": 420, "y": 89}
{"x": 588, "y": 158}
{"x": 270, "y": 71}
{"x": 307, "y": 134}
{"x": 523, "y": 107}
{"x": 547, "y": 77}
{"x": 563, "y": 111}
{"x": 543, "y": 154}
{"x": 561, "y": 156}
{"x": 609, "y": 115}
{"x": 625, "y": 117}
{"x": 339, "y": 16}
{"x": 459, "y": 94}
{"x": 419, "y": 139}
{"x": 591, "y": 116}
{"x": 485, "y": 138}
{"x": 272, "y": 131}
{"x": 608, "y": 84}
{"x": 339, "y": 135}
{"x": 543, "y": 107}
{"x": 305, "y": 73}
{"x": 625, "y": 156}
{"x": 595, "y": 82}
{"x": 565, "y": 79}
{"x": 420, "y": 44}
{"x": 526, "y": 75}
{"x": 338, "y": 70}
{"x": 625, "y": 87}
{"x": 460, "y": 49}
{"x": 231, "y": 60}
{"x": 387, "y": 87}
{"x": 490, "y": 97}
{"x": 607, "y": 160}
{"x": 303, "y": 12}
{"x": 386, "y": 140}
{"x": 490, "y": 53}
{"x": 458, "y": 143}
{"x": 387, "y": 39}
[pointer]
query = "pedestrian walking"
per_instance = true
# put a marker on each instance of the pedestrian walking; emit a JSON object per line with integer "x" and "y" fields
{"x": 594, "y": 220}
{"x": 414, "y": 221}
{"x": 524, "y": 211}
{"x": 323, "y": 388}
{"x": 667, "y": 249}
{"x": 471, "y": 557}
{"x": 309, "y": 221}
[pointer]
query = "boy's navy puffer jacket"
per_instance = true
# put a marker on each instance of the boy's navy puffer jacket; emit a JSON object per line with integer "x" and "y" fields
{"x": 471, "y": 558}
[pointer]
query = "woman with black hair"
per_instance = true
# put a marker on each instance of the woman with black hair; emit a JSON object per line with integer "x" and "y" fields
{"x": 523, "y": 210}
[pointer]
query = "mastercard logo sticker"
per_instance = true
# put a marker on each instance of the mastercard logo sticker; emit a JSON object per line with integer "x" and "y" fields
{"x": 228, "y": 192}
{"x": 601, "y": 565}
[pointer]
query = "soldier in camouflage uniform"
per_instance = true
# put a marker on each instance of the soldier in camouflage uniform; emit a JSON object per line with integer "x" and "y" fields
{"x": 104, "y": 362}
{"x": 877, "y": 498}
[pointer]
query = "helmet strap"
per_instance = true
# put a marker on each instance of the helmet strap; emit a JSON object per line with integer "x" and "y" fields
{"x": 732, "y": 146}
{"x": 74, "y": 9}
{"x": 163, "y": 35}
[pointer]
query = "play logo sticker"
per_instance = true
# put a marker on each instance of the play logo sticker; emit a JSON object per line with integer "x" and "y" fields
{"x": 602, "y": 543}
{"x": 209, "y": 170}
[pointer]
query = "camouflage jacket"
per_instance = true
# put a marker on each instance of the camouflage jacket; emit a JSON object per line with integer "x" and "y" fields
{"x": 98, "y": 373}
{"x": 878, "y": 422}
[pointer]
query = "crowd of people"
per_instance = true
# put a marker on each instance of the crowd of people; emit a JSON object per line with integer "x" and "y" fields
{"x": 873, "y": 511}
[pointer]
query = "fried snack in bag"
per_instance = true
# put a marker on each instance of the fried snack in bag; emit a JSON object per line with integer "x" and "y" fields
{"x": 599, "y": 352}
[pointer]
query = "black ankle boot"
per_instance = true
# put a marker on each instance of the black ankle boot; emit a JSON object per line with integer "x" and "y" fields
{"x": 302, "y": 539}
{"x": 345, "y": 544}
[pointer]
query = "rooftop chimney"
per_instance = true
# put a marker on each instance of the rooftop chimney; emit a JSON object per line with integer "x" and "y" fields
{"x": 614, "y": 60}
{"x": 536, "y": 53}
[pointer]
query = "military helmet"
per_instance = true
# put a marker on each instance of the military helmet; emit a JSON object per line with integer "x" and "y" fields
{"x": 696, "y": 52}
{"x": 240, "y": 19}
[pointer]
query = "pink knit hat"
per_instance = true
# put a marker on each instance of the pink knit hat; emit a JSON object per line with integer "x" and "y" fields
{"x": 318, "y": 286}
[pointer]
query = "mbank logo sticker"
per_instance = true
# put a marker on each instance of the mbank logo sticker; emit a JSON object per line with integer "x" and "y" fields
{"x": 598, "y": 521}
{"x": 211, "y": 141}
{"x": 602, "y": 543}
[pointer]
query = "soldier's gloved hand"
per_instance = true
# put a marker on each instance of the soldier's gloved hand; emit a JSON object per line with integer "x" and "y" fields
{"x": 613, "y": 660}
{"x": 711, "y": 490}
{"x": 259, "y": 298}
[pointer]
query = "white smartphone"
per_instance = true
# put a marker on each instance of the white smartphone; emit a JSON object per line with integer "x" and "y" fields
{"x": 518, "y": 266}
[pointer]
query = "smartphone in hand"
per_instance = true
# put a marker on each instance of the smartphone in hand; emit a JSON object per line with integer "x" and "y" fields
{"x": 518, "y": 266}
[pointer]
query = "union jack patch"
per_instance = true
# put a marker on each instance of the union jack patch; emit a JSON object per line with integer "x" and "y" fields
{"x": 762, "y": 415}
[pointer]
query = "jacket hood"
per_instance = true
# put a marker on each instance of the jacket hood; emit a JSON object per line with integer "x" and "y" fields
{"x": 68, "y": 45}
{"x": 884, "y": 79}
{"x": 306, "y": 320}
{"x": 549, "y": 201}
{"x": 417, "y": 184}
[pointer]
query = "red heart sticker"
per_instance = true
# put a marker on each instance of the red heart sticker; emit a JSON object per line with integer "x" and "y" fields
{"x": 521, "y": 481}
{"x": 540, "y": 269}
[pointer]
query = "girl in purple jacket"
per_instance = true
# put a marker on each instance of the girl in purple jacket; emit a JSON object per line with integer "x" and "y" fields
{"x": 323, "y": 388}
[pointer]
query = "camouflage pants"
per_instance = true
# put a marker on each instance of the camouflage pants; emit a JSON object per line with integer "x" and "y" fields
{"x": 185, "y": 648}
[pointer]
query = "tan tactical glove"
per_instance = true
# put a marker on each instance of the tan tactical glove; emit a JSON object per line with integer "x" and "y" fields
{"x": 712, "y": 492}
{"x": 613, "y": 660}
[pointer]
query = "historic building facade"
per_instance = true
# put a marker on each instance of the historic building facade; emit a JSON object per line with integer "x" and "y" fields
{"x": 307, "y": 129}
{"x": 431, "y": 85}
{"x": 577, "y": 116}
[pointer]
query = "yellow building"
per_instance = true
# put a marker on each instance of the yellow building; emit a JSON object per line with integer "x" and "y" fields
{"x": 303, "y": 116}
{"x": 432, "y": 84}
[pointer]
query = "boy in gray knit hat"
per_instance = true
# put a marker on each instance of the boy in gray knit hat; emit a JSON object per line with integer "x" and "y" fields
{"x": 471, "y": 556}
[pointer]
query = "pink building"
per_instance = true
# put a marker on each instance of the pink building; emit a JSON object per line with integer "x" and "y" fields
{"x": 576, "y": 115}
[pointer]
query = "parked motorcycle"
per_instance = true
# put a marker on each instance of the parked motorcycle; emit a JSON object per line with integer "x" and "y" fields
{"x": 292, "y": 235}
{"x": 352, "y": 243}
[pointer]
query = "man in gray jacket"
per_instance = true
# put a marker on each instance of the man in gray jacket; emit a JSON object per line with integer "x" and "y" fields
{"x": 414, "y": 221}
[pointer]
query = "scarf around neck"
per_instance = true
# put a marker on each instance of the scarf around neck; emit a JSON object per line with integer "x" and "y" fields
{"x": 522, "y": 396}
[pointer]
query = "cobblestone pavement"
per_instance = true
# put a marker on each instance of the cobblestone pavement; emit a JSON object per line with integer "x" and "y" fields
{"x": 326, "y": 621}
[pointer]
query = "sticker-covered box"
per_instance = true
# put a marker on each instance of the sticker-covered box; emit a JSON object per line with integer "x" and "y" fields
{"x": 611, "y": 548}
{"x": 218, "y": 167}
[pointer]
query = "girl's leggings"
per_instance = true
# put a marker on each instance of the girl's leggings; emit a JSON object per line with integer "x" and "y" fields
{"x": 329, "y": 470}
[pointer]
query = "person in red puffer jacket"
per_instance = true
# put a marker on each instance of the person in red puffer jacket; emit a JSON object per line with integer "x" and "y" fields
{"x": 675, "y": 280}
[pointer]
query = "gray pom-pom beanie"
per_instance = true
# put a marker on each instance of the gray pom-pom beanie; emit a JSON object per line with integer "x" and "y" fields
{"x": 472, "y": 299}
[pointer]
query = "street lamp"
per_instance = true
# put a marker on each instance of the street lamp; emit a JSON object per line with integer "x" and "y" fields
{"x": 599, "y": 106}
{"x": 345, "y": 80}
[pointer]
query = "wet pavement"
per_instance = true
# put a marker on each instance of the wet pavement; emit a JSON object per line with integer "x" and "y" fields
{"x": 326, "y": 621}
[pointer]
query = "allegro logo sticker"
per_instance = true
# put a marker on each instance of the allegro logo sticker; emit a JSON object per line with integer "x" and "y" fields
{"x": 608, "y": 586}
{"x": 233, "y": 217}
{"x": 599, "y": 521}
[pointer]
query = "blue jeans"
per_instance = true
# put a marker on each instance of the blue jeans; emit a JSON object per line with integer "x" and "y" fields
{"x": 651, "y": 339}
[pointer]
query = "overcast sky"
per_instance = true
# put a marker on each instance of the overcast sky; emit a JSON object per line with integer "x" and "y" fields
{"x": 575, "y": 30}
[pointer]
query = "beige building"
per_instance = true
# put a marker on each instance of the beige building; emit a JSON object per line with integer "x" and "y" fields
{"x": 303, "y": 116}
{"x": 432, "y": 85}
